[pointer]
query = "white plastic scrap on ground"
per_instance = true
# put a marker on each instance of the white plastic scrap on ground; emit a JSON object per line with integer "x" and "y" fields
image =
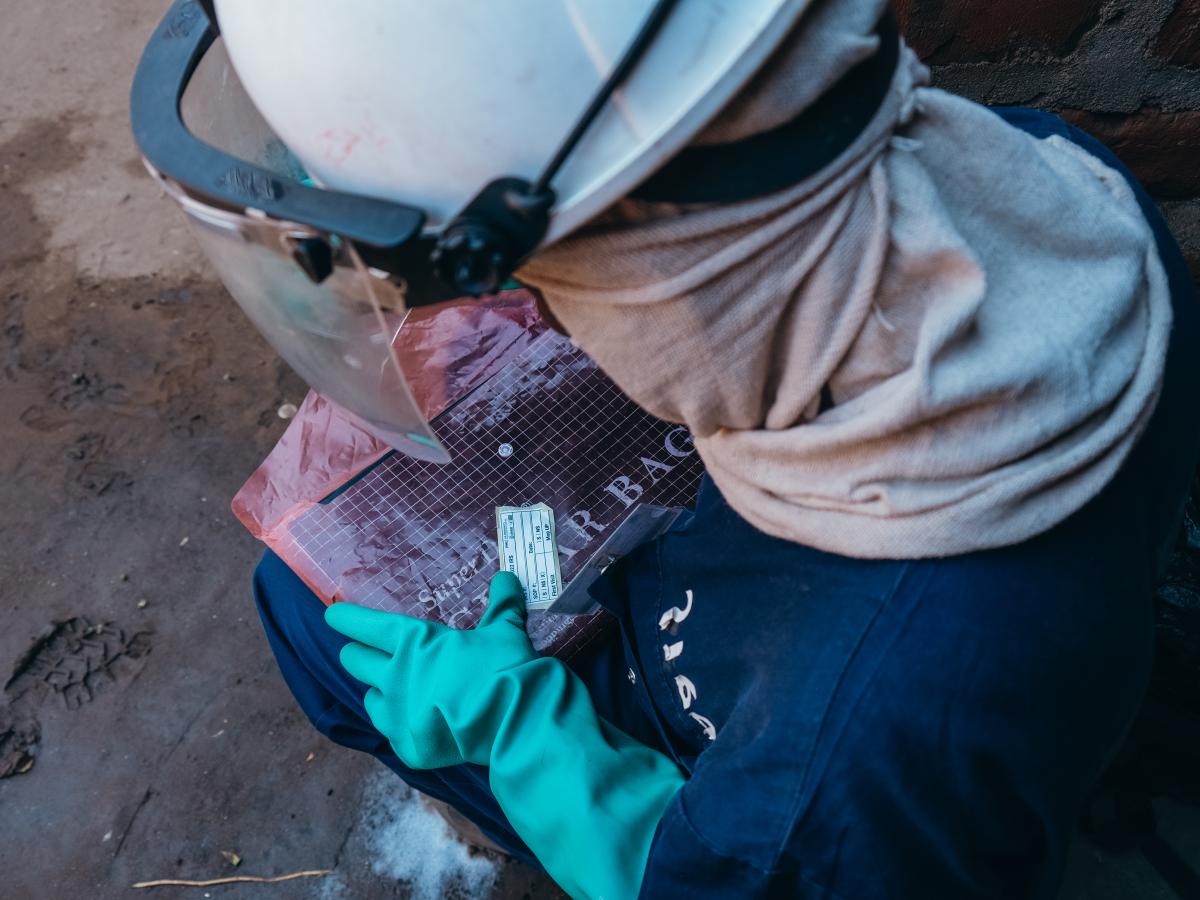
{"x": 403, "y": 840}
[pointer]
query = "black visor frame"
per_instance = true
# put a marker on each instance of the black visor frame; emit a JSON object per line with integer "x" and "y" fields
{"x": 167, "y": 65}
{"x": 476, "y": 251}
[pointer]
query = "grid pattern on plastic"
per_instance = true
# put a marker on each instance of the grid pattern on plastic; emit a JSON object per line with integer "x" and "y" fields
{"x": 419, "y": 538}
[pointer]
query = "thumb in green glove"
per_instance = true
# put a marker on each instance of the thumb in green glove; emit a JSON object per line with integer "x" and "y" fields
{"x": 430, "y": 687}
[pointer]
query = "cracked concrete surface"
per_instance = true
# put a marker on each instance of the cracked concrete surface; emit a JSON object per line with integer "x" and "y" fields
{"x": 148, "y": 727}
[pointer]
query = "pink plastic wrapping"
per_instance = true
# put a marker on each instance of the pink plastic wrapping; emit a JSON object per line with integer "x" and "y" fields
{"x": 445, "y": 351}
{"x": 527, "y": 417}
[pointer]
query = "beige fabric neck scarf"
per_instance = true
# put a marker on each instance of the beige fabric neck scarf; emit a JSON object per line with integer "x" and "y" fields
{"x": 988, "y": 310}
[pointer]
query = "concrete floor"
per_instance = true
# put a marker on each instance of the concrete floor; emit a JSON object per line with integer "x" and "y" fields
{"x": 134, "y": 402}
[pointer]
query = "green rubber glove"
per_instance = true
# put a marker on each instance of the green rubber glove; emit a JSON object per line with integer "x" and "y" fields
{"x": 583, "y": 795}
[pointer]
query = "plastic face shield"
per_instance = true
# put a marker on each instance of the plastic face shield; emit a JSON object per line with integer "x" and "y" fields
{"x": 326, "y": 276}
{"x": 331, "y": 315}
{"x": 339, "y": 335}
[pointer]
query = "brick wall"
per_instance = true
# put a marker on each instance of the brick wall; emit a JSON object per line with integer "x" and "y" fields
{"x": 1128, "y": 71}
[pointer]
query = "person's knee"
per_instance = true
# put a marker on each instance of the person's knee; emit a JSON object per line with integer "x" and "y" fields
{"x": 271, "y": 577}
{"x": 290, "y": 612}
{"x": 306, "y": 649}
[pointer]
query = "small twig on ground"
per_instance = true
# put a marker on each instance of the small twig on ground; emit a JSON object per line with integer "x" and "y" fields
{"x": 233, "y": 879}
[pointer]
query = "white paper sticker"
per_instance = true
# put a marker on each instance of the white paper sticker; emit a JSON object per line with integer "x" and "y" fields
{"x": 529, "y": 549}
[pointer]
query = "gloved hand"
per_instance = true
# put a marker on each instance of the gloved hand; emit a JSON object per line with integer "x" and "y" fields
{"x": 435, "y": 692}
{"x": 583, "y": 795}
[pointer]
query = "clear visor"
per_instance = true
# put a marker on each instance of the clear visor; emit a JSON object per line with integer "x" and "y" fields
{"x": 339, "y": 335}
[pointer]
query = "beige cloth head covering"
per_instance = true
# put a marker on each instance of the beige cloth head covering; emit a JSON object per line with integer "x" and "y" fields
{"x": 988, "y": 311}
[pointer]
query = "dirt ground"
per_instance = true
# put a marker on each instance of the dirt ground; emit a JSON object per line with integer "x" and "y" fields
{"x": 134, "y": 401}
{"x": 148, "y": 732}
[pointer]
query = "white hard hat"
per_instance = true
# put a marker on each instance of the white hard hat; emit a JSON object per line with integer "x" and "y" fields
{"x": 426, "y": 102}
{"x": 397, "y": 153}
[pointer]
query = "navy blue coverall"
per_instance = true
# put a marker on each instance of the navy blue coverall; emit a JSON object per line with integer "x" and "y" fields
{"x": 855, "y": 729}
